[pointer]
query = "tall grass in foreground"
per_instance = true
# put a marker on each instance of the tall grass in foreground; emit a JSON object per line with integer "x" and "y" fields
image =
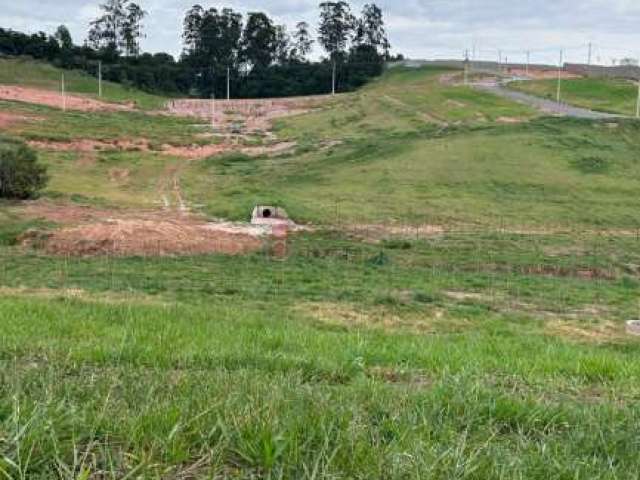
{"x": 262, "y": 390}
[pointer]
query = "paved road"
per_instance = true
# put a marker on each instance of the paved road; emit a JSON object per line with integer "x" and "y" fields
{"x": 547, "y": 106}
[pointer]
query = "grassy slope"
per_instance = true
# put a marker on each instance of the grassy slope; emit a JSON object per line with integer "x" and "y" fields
{"x": 614, "y": 96}
{"x": 323, "y": 363}
{"x": 392, "y": 164}
{"x": 87, "y": 175}
{"x": 29, "y": 73}
{"x": 461, "y": 356}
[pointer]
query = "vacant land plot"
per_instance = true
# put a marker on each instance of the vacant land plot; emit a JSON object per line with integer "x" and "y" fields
{"x": 455, "y": 306}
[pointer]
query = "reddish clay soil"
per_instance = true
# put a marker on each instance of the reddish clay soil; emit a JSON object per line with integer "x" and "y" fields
{"x": 128, "y": 237}
{"x": 88, "y": 231}
{"x": 189, "y": 152}
{"x": 141, "y": 145}
{"x": 54, "y": 99}
{"x": 246, "y": 116}
{"x": 8, "y": 119}
{"x": 65, "y": 214}
{"x": 195, "y": 152}
{"x": 85, "y": 145}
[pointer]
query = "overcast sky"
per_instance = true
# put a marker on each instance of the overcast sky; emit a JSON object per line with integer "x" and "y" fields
{"x": 417, "y": 28}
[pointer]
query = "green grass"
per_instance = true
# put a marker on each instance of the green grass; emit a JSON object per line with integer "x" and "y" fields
{"x": 606, "y": 95}
{"x": 51, "y": 124}
{"x": 528, "y": 174}
{"x": 254, "y": 367}
{"x": 478, "y": 353}
{"x": 29, "y": 73}
{"x": 401, "y": 101}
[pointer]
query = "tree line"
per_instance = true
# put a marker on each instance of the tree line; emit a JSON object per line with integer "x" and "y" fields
{"x": 223, "y": 51}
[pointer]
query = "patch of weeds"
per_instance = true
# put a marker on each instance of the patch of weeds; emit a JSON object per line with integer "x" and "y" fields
{"x": 379, "y": 260}
{"x": 397, "y": 245}
{"x": 630, "y": 283}
{"x": 80, "y": 199}
{"x": 227, "y": 160}
{"x": 424, "y": 297}
{"x": 12, "y": 231}
{"x": 591, "y": 165}
{"x": 388, "y": 300}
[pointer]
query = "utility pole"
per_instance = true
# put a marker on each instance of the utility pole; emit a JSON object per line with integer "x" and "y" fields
{"x": 213, "y": 110}
{"x": 590, "y": 53}
{"x": 466, "y": 67}
{"x": 64, "y": 95}
{"x": 638, "y": 102}
{"x": 333, "y": 79}
{"x": 466, "y": 72}
{"x": 560, "y": 75}
{"x": 100, "y": 78}
{"x": 228, "y": 83}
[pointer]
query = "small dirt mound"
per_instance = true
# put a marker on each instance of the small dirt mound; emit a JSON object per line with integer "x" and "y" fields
{"x": 129, "y": 237}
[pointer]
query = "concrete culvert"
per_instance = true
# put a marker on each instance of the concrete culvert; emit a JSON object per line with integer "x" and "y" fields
{"x": 633, "y": 327}
{"x": 269, "y": 215}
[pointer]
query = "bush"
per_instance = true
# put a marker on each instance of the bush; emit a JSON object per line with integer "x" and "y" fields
{"x": 21, "y": 176}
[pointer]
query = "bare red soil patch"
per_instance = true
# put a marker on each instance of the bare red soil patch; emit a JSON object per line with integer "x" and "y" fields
{"x": 54, "y": 99}
{"x": 88, "y": 231}
{"x": 190, "y": 152}
{"x": 195, "y": 151}
{"x": 85, "y": 145}
{"x": 67, "y": 214}
{"x": 141, "y": 145}
{"x": 129, "y": 237}
{"x": 245, "y": 115}
{"x": 8, "y": 119}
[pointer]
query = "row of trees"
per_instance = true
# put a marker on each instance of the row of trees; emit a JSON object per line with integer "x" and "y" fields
{"x": 252, "y": 54}
{"x": 219, "y": 44}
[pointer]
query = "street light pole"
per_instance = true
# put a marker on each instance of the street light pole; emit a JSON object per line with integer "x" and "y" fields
{"x": 560, "y": 76}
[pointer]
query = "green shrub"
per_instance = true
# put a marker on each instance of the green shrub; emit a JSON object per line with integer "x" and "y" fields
{"x": 21, "y": 176}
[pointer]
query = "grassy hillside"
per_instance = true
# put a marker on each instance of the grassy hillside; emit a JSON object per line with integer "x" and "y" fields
{"x": 495, "y": 349}
{"x": 551, "y": 172}
{"x": 372, "y": 160}
{"x": 408, "y": 148}
{"x": 614, "y": 96}
{"x": 30, "y": 73}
